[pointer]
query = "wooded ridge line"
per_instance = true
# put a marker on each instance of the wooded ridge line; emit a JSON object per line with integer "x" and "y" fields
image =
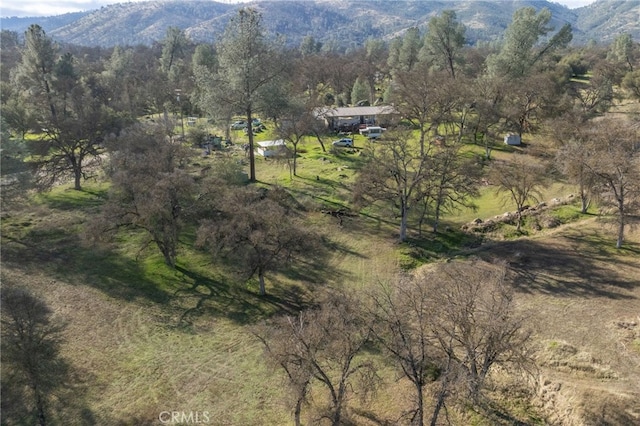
{"x": 341, "y": 24}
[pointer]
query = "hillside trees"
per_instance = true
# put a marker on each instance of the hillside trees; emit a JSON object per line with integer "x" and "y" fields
{"x": 517, "y": 54}
{"x": 118, "y": 78}
{"x": 623, "y": 51}
{"x": 443, "y": 41}
{"x": 631, "y": 83}
{"x": 35, "y": 72}
{"x": 404, "y": 51}
{"x": 173, "y": 56}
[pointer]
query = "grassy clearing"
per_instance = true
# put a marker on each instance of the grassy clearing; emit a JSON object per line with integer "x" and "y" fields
{"x": 155, "y": 339}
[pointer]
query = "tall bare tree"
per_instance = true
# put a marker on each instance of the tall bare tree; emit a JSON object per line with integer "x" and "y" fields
{"x": 454, "y": 181}
{"x": 613, "y": 158}
{"x": 321, "y": 346}
{"x": 403, "y": 324}
{"x": 572, "y": 159}
{"x": 394, "y": 173}
{"x": 521, "y": 180}
{"x": 475, "y": 320}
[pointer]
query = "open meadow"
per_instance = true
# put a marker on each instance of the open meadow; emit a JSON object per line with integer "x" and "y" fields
{"x": 144, "y": 339}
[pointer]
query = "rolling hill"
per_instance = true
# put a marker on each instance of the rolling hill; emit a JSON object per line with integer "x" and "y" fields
{"x": 342, "y": 23}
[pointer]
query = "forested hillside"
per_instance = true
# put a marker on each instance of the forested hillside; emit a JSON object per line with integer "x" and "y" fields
{"x": 414, "y": 230}
{"x": 340, "y": 24}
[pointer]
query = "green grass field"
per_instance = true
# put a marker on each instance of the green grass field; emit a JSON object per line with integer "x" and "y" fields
{"x": 145, "y": 338}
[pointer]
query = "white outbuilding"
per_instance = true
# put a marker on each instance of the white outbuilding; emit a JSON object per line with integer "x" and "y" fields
{"x": 512, "y": 139}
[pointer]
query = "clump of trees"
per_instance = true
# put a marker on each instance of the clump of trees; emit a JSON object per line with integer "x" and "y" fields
{"x": 445, "y": 329}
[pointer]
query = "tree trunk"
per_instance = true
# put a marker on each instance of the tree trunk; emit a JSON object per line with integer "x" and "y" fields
{"x": 441, "y": 394}
{"x": 419, "y": 417}
{"x": 436, "y": 220}
{"x": 252, "y": 157}
{"x": 295, "y": 157}
{"x": 438, "y": 407}
{"x": 297, "y": 412}
{"x": 77, "y": 177}
{"x": 403, "y": 222}
{"x": 263, "y": 290}
{"x": 519, "y": 218}
{"x": 42, "y": 421}
{"x": 487, "y": 151}
{"x": 620, "y": 223}
{"x": 584, "y": 199}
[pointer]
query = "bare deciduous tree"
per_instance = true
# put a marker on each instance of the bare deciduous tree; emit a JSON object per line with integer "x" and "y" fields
{"x": 572, "y": 160}
{"x": 150, "y": 189}
{"x": 395, "y": 173}
{"x": 613, "y": 158}
{"x": 258, "y": 232}
{"x": 521, "y": 180}
{"x": 475, "y": 321}
{"x": 403, "y": 326}
{"x": 320, "y": 346}
{"x": 447, "y": 327}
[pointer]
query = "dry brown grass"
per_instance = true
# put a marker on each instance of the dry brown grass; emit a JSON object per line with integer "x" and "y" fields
{"x": 583, "y": 296}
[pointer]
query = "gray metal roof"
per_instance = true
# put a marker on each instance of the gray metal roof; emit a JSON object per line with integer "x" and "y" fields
{"x": 356, "y": 111}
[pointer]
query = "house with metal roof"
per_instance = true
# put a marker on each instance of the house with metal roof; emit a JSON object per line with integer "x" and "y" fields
{"x": 351, "y": 118}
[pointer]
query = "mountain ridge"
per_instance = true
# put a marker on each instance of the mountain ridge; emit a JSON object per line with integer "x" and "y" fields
{"x": 343, "y": 23}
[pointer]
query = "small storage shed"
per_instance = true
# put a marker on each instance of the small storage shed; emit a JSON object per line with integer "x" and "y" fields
{"x": 271, "y": 148}
{"x": 512, "y": 139}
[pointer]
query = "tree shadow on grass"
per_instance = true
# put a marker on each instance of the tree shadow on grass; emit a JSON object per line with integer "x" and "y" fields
{"x": 497, "y": 414}
{"x": 64, "y": 257}
{"x": 74, "y": 200}
{"x": 222, "y": 298}
{"x": 580, "y": 264}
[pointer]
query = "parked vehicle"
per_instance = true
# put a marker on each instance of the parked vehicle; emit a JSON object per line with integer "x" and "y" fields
{"x": 239, "y": 125}
{"x": 372, "y": 132}
{"x": 348, "y": 142}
